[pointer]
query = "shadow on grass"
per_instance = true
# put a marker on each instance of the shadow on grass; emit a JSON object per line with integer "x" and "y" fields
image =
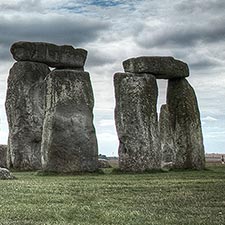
{"x": 154, "y": 171}
{"x": 188, "y": 170}
{"x": 118, "y": 171}
{"x": 53, "y": 173}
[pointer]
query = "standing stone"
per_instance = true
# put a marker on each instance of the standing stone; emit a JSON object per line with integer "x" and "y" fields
{"x": 3, "y": 156}
{"x": 185, "y": 125}
{"x": 166, "y": 135}
{"x": 136, "y": 122}
{"x": 64, "y": 56}
{"x": 161, "y": 67}
{"x": 69, "y": 142}
{"x": 24, "y": 108}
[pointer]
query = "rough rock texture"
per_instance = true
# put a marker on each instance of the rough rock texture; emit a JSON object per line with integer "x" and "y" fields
{"x": 185, "y": 124}
{"x": 24, "y": 108}
{"x": 103, "y": 163}
{"x": 69, "y": 142}
{"x": 5, "y": 174}
{"x": 64, "y": 56}
{"x": 160, "y": 67}
{"x": 3, "y": 156}
{"x": 136, "y": 122}
{"x": 166, "y": 135}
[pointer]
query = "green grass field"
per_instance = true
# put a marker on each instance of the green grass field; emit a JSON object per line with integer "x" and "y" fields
{"x": 185, "y": 197}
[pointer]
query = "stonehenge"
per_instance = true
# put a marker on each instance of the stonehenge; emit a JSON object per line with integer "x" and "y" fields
{"x": 144, "y": 142}
{"x": 50, "y": 113}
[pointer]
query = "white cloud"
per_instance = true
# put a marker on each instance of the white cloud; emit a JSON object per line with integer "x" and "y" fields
{"x": 106, "y": 123}
{"x": 3, "y": 137}
{"x": 108, "y": 143}
{"x": 209, "y": 119}
{"x": 107, "y": 137}
{"x": 215, "y": 135}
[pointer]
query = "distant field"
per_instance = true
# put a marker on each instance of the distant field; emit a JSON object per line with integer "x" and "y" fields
{"x": 184, "y": 198}
{"x": 213, "y": 157}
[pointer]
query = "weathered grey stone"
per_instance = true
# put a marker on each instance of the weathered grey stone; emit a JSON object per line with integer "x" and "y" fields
{"x": 159, "y": 66}
{"x": 24, "y": 108}
{"x": 166, "y": 135}
{"x": 64, "y": 56}
{"x": 3, "y": 156}
{"x": 69, "y": 142}
{"x": 185, "y": 125}
{"x": 103, "y": 163}
{"x": 5, "y": 174}
{"x": 136, "y": 122}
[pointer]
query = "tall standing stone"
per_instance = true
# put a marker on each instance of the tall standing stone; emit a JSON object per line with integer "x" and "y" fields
{"x": 69, "y": 142}
{"x": 185, "y": 125}
{"x": 3, "y": 156}
{"x": 24, "y": 108}
{"x": 166, "y": 135}
{"x": 136, "y": 121}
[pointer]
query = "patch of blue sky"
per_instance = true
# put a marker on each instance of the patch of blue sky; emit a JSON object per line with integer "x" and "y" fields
{"x": 71, "y": 8}
{"x": 74, "y": 9}
{"x": 80, "y": 7}
{"x": 123, "y": 4}
{"x": 105, "y": 3}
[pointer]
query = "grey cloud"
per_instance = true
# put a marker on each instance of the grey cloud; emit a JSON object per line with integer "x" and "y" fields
{"x": 99, "y": 58}
{"x": 22, "y": 5}
{"x": 200, "y": 6}
{"x": 4, "y": 53}
{"x": 200, "y": 58}
{"x": 183, "y": 35}
{"x": 185, "y": 24}
{"x": 75, "y": 30}
{"x": 204, "y": 63}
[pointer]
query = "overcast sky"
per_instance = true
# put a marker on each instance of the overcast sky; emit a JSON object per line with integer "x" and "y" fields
{"x": 112, "y": 31}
